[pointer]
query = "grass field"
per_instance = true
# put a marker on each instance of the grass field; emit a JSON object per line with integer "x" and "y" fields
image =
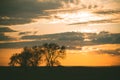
{"x": 60, "y": 73}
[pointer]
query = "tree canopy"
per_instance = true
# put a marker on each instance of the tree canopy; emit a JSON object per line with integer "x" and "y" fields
{"x": 48, "y": 53}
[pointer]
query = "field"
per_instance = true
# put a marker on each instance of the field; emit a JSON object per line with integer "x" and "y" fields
{"x": 60, "y": 73}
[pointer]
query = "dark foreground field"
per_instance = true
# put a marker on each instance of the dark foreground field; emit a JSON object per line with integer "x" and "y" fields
{"x": 60, "y": 73}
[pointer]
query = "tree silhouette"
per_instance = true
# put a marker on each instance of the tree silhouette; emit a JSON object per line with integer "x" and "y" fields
{"x": 53, "y": 53}
{"x": 28, "y": 57}
{"x": 14, "y": 60}
{"x": 49, "y": 54}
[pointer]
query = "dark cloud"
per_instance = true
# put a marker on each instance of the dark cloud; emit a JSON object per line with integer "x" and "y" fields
{"x": 23, "y": 11}
{"x": 6, "y": 29}
{"x": 27, "y": 33}
{"x": 97, "y": 21}
{"x": 108, "y": 12}
{"x": 31, "y": 37}
{"x": 113, "y": 52}
{"x": 101, "y": 38}
{"x": 20, "y": 44}
{"x": 24, "y": 33}
{"x": 3, "y": 37}
{"x": 59, "y": 36}
{"x": 113, "y": 13}
{"x": 14, "y": 12}
{"x": 66, "y": 38}
{"x": 107, "y": 38}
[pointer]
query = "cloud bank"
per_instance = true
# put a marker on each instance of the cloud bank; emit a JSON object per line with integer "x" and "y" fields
{"x": 15, "y": 12}
{"x": 6, "y": 29}
{"x": 23, "y": 11}
{"x": 4, "y": 37}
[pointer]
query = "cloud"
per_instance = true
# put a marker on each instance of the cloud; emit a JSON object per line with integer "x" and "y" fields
{"x": 106, "y": 38}
{"x": 13, "y": 12}
{"x": 23, "y": 11}
{"x": 3, "y": 37}
{"x": 70, "y": 12}
{"x": 108, "y": 12}
{"x": 97, "y": 21}
{"x": 107, "y": 16}
{"x": 113, "y": 52}
{"x": 24, "y": 33}
{"x": 66, "y": 38}
{"x": 74, "y": 5}
{"x": 27, "y": 33}
{"x": 6, "y": 29}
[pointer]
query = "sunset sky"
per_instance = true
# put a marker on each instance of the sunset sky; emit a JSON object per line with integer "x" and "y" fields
{"x": 19, "y": 18}
{"x": 55, "y": 16}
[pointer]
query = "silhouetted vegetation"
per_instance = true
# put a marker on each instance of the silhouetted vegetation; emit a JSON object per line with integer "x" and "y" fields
{"x": 60, "y": 73}
{"x": 48, "y": 53}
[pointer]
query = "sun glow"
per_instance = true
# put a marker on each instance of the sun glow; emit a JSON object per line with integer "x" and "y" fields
{"x": 86, "y": 30}
{"x": 74, "y": 17}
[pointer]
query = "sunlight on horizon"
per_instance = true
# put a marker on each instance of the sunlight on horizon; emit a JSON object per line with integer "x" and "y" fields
{"x": 90, "y": 58}
{"x": 85, "y": 57}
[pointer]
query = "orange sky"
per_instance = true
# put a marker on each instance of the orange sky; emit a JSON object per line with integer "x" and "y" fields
{"x": 76, "y": 57}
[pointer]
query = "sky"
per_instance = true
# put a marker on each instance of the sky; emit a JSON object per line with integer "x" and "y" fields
{"x": 38, "y": 17}
{"x": 19, "y": 18}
